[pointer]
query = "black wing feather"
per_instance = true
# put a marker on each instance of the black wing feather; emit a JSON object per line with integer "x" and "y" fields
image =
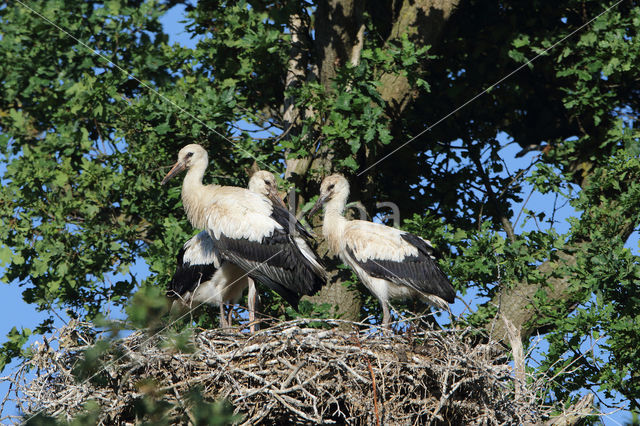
{"x": 187, "y": 276}
{"x": 424, "y": 248}
{"x": 418, "y": 272}
{"x": 276, "y": 262}
{"x": 286, "y": 219}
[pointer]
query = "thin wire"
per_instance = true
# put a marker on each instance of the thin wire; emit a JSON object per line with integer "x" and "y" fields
{"x": 488, "y": 88}
{"x": 145, "y": 85}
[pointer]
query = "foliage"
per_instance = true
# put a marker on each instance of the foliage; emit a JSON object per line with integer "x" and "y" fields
{"x": 153, "y": 410}
{"x": 351, "y": 111}
{"x": 13, "y": 347}
{"x": 85, "y": 143}
{"x": 611, "y": 273}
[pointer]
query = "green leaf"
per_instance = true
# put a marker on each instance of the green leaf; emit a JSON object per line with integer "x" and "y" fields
{"x": 521, "y": 41}
{"x": 5, "y": 255}
{"x": 351, "y": 163}
{"x": 162, "y": 129}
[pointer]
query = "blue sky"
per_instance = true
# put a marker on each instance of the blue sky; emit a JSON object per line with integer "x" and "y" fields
{"x": 16, "y": 312}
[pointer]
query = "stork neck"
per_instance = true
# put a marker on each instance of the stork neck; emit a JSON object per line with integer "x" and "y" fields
{"x": 194, "y": 197}
{"x": 334, "y": 222}
{"x": 194, "y": 175}
{"x": 335, "y": 206}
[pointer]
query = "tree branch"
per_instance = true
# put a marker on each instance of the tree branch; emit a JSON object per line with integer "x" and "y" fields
{"x": 518, "y": 304}
{"x": 572, "y": 415}
{"x": 295, "y": 76}
{"x": 506, "y": 224}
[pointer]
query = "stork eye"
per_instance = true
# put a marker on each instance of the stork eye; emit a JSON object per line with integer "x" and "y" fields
{"x": 330, "y": 187}
{"x": 189, "y": 154}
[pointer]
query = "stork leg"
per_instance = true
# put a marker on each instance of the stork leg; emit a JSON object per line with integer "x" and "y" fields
{"x": 230, "y": 323}
{"x": 223, "y": 317}
{"x": 252, "y": 297}
{"x": 386, "y": 315}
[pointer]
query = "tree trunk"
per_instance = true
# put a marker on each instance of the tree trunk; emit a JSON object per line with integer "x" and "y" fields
{"x": 423, "y": 22}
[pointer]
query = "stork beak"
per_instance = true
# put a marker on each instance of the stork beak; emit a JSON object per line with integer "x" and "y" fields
{"x": 177, "y": 168}
{"x": 275, "y": 197}
{"x": 317, "y": 205}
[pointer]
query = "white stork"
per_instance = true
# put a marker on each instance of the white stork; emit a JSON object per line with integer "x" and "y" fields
{"x": 249, "y": 230}
{"x": 201, "y": 277}
{"x": 392, "y": 264}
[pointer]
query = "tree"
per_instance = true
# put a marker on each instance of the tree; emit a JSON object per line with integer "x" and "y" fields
{"x": 341, "y": 86}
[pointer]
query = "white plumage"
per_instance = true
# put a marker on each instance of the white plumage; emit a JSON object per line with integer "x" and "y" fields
{"x": 392, "y": 264}
{"x": 249, "y": 230}
{"x": 201, "y": 277}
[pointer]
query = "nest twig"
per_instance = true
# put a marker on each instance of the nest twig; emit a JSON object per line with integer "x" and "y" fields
{"x": 288, "y": 374}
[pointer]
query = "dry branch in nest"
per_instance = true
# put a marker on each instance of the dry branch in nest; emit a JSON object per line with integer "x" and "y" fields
{"x": 289, "y": 374}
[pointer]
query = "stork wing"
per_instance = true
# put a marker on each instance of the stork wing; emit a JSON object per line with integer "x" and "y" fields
{"x": 397, "y": 256}
{"x": 276, "y": 261}
{"x": 246, "y": 231}
{"x": 289, "y": 221}
{"x": 197, "y": 261}
{"x": 200, "y": 250}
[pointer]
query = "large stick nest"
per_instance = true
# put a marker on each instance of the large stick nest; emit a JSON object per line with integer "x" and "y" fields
{"x": 288, "y": 374}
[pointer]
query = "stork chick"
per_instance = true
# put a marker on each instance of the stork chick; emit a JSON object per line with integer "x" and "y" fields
{"x": 201, "y": 277}
{"x": 392, "y": 264}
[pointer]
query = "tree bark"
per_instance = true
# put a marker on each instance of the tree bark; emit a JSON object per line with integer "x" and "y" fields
{"x": 338, "y": 25}
{"x": 296, "y": 75}
{"x": 423, "y": 22}
{"x": 518, "y": 304}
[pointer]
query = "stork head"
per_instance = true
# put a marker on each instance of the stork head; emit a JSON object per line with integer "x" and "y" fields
{"x": 263, "y": 182}
{"x": 331, "y": 187}
{"x": 187, "y": 157}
